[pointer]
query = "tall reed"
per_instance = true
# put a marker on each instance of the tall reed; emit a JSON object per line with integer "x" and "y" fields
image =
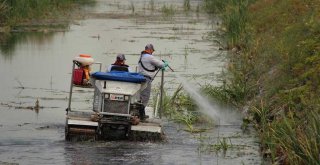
{"x": 186, "y": 5}
{"x": 20, "y": 11}
{"x": 168, "y": 10}
{"x": 275, "y": 59}
{"x": 299, "y": 140}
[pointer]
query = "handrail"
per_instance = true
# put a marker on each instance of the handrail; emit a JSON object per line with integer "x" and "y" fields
{"x": 100, "y": 65}
{"x": 71, "y": 86}
{"x": 161, "y": 93}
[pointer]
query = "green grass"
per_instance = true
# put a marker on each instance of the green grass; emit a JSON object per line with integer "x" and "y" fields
{"x": 275, "y": 72}
{"x": 13, "y": 12}
{"x": 221, "y": 145}
{"x": 186, "y": 5}
{"x": 298, "y": 139}
{"x": 168, "y": 10}
{"x": 180, "y": 108}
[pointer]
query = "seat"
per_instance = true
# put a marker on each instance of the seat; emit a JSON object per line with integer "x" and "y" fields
{"x": 119, "y": 68}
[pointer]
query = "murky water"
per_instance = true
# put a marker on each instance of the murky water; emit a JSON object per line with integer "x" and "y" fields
{"x": 38, "y": 66}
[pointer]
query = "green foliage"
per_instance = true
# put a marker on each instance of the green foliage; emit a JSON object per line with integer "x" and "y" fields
{"x": 181, "y": 108}
{"x": 168, "y": 10}
{"x": 132, "y": 7}
{"x": 151, "y": 4}
{"x": 14, "y": 11}
{"x": 234, "y": 15}
{"x": 274, "y": 70}
{"x": 215, "y": 6}
{"x": 233, "y": 93}
{"x": 299, "y": 140}
{"x": 236, "y": 88}
{"x": 186, "y": 5}
{"x": 4, "y": 8}
{"x": 221, "y": 145}
{"x": 235, "y": 23}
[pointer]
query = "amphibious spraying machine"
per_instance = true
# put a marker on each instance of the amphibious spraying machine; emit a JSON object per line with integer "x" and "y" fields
{"x": 115, "y": 108}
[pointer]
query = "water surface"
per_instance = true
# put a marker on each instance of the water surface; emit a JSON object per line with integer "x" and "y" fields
{"x": 37, "y": 66}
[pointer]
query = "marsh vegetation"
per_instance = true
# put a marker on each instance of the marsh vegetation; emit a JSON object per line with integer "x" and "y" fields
{"x": 272, "y": 73}
{"x": 35, "y": 12}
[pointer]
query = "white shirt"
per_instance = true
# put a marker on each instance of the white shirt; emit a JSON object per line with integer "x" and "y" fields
{"x": 151, "y": 63}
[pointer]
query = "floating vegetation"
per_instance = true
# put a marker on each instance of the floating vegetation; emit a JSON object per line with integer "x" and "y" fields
{"x": 132, "y": 7}
{"x": 187, "y": 119}
{"x": 151, "y": 4}
{"x": 8, "y": 163}
{"x": 221, "y": 144}
{"x": 186, "y": 51}
{"x": 170, "y": 38}
{"x": 186, "y": 5}
{"x": 198, "y": 10}
{"x": 181, "y": 108}
{"x": 168, "y": 10}
{"x": 22, "y": 106}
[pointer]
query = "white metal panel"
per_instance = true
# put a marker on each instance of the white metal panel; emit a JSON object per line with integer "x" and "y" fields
{"x": 118, "y": 87}
{"x": 82, "y": 122}
{"x": 146, "y": 128}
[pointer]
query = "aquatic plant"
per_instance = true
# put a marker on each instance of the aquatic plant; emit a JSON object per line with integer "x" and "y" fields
{"x": 235, "y": 23}
{"x": 151, "y": 4}
{"x": 234, "y": 15}
{"x": 180, "y": 108}
{"x": 215, "y": 6}
{"x": 186, "y": 51}
{"x": 186, "y": 5}
{"x": 198, "y": 9}
{"x": 232, "y": 93}
{"x": 168, "y": 10}
{"x": 132, "y": 7}
{"x": 186, "y": 118}
{"x": 222, "y": 145}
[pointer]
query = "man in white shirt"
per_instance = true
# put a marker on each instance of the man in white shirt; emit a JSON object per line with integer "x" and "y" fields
{"x": 148, "y": 65}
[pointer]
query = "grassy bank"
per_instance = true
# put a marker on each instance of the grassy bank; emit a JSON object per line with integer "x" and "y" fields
{"x": 273, "y": 71}
{"x": 15, "y": 12}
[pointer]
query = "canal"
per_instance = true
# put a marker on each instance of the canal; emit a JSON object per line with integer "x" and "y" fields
{"x": 37, "y": 66}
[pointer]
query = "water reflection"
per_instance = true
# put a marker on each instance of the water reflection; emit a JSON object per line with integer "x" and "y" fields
{"x": 41, "y": 31}
{"x": 9, "y": 41}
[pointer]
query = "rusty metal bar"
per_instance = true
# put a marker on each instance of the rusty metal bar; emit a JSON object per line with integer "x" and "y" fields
{"x": 71, "y": 86}
{"x": 85, "y": 131}
{"x": 161, "y": 94}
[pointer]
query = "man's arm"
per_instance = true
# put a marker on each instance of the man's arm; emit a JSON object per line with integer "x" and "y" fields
{"x": 158, "y": 63}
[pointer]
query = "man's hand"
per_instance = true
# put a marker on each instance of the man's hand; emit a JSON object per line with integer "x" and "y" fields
{"x": 165, "y": 65}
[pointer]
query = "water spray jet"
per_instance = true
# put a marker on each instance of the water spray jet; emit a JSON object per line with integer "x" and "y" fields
{"x": 220, "y": 115}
